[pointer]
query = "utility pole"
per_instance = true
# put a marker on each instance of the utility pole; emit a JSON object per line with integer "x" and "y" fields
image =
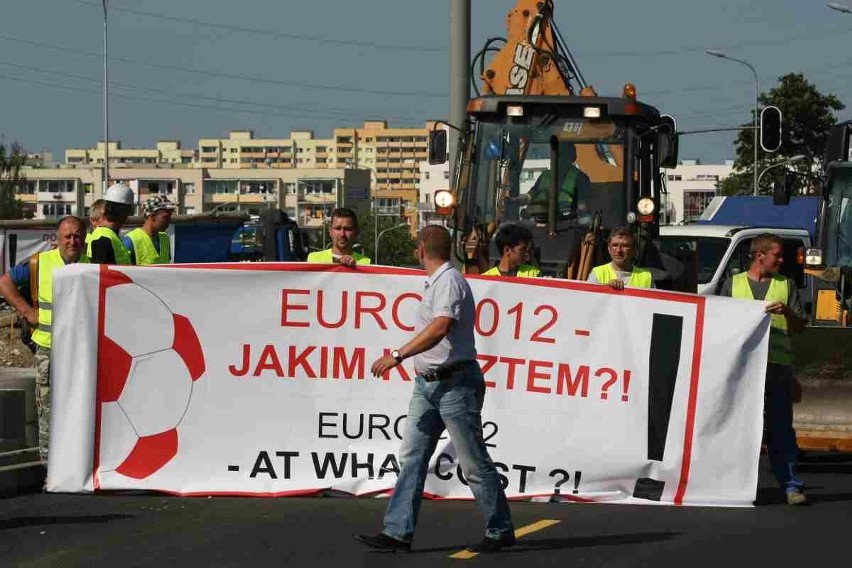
{"x": 459, "y": 72}
{"x": 106, "y": 106}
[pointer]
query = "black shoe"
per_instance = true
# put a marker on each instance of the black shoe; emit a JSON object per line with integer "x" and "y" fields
{"x": 487, "y": 545}
{"x": 384, "y": 543}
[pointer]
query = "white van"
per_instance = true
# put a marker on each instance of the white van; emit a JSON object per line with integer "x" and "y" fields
{"x": 723, "y": 250}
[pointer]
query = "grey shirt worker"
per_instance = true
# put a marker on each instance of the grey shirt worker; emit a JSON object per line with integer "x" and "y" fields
{"x": 446, "y": 293}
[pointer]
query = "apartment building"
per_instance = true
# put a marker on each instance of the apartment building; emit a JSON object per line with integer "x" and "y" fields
{"x": 241, "y": 150}
{"x": 305, "y": 194}
{"x": 166, "y": 152}
{"x": 49, "y": 193}
{"x": 392, "y": 154}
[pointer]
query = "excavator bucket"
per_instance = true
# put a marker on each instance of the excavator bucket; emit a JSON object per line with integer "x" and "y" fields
{"x": 823, "y": 416}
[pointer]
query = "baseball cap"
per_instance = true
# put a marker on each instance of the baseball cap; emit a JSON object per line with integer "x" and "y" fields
{"x": 156, "y": 203}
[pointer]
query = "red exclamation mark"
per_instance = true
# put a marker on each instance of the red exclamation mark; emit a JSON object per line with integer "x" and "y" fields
{"x": 625, "y": 386}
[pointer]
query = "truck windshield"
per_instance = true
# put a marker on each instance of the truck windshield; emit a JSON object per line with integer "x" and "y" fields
{"x": 710, "y": 251}
{"x": 513, "y": 169}
{"x": 839, "y": 220}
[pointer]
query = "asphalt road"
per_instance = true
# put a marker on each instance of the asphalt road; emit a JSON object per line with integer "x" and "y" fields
{"x": 153, "y": 530}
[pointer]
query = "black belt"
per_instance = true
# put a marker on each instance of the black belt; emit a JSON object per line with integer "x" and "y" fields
{"x": 444, "y": 372}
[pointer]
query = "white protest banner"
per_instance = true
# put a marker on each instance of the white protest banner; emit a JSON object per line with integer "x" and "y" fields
{"x": 253, "y": 379}
{"x": 20, "y": 244}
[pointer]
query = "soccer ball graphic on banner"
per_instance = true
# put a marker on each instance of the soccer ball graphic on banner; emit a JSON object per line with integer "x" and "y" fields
{"x": 148, "y": 360}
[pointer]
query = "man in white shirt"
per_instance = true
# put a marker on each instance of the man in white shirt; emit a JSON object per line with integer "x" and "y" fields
{"x": 448, "y": 393}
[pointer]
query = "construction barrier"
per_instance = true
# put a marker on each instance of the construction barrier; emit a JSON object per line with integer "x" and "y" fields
{"x": 253, "y": 379}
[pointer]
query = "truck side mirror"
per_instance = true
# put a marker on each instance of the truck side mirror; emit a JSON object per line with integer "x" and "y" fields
{"x": 783, "y": 188}
{"x": 437, "y": 146}
{"x": 837, "y": 144}
{"x": 770, "y": 129}
{"x": 667, "y": 142}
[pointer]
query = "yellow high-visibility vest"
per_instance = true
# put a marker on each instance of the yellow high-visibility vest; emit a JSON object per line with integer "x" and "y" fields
{"x": 143, "y": 248}
{"x": 47, "y": 262}
{"x": 780, "y": 343}
{"x": 122, "y": 255}
{"x": 327, "y": 257}
{"x": 524, "y": 271}
{"x": 639, "y": 278}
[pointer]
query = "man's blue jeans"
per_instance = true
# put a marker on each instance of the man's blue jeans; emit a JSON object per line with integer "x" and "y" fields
{"x": 781, "y": 438}
{"x": 453, "y": 403}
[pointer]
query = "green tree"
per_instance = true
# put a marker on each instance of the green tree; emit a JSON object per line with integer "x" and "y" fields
{"x": 807, "y": 114}
{"x": 12, "y": 159}
{"x": 396, "y": 246}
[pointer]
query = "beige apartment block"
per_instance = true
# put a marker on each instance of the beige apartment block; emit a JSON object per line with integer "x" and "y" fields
{"x": 50, "y": 193}
{"x": 241, "y": 150}
{"x": 307, "y": 195}
{"x": 392, "y": 154}
{"x": 167, "y": 152}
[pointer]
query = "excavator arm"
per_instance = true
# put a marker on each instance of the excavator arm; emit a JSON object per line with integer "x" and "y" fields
{"x": 533, "y": 59}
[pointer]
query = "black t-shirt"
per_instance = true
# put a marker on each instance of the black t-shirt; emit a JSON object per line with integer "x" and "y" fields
{"x": 102, "y": 251}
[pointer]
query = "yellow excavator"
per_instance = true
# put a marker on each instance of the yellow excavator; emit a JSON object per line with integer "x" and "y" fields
{"x": 823, "y": 417}
{"x": 541, "y": 148}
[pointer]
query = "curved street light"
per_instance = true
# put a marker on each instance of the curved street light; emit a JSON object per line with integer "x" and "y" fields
{"x": 784, "y": 163}
{"x": 839, "y": 7}
{"x": 720, "y": 55}
{"x": 379, "y": 236}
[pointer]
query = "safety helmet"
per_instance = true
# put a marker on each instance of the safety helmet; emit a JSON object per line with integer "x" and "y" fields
{"x": 119, "y": 193}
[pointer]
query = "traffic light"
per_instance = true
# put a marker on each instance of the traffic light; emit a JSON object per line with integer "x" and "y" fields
{"x": 770, "y": 129}
{"x": 783, "y": 188}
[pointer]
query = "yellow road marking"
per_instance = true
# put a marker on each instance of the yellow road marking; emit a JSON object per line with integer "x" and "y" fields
{"x": 521, "y": 532}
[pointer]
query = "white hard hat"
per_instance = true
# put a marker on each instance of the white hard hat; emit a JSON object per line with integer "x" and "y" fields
{"x": 119, "y": 193}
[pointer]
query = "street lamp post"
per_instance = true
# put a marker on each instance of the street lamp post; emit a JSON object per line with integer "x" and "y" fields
{"x": 106, "y": 104}
{"x": 376, "y": 252}
{"x": 721, "y": 55}
{"x": 784, "y": 163}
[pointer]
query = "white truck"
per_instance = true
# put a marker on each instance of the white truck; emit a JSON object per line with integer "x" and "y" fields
{"x": 723, "y": 250}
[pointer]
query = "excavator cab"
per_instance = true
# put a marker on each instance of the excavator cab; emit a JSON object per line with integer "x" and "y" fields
{"x": 569, "y": 168}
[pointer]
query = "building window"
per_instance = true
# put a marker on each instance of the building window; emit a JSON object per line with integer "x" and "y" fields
{"x": 219, "y": 186}
{"x": 190, "y": 210}
{"x": 694, "y": 202}
{"x": 257, "y": 186}
{"x": 27, "y": 187}
{"x": 189, "y": 188}
{"x": 290, "y": 188}
{"x": 209, "y": 149}
{"x": 446, "y": 175}
{"x": 55, "y": 209}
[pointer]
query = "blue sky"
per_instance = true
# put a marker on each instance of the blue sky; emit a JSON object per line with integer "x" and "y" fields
{"x": 276, "y": 66}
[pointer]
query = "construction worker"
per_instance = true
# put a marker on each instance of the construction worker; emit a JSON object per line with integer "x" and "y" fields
{"x": 344, "y": 232}
{"x": 149, "y": 244}
{"x": 96, "y": 213}
{"x": 514, "y": 243}
{"x": 38, "y": 275}
{"x": 105, "y": 246}
{"x": 763, "y": 282}
{"x": 621, "y": 271}
{"x": 572, "y": 180}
